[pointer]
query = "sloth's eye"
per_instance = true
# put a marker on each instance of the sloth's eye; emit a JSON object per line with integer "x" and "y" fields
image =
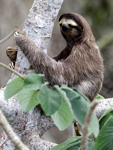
{"x": 78, "y": 28}
{"x": 71, "y": 26}
{"x": 75, "y": 27}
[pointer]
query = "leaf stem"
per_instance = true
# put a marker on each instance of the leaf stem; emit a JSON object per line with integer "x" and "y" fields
{"x": 15, "y": 72}
{"x": 87, "y": 121}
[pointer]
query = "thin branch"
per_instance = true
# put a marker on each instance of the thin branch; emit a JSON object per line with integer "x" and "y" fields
{"x": 105, "y": 40}
{"x": 7, "y": 37}
{"x": 11, "y": 134}
{"x": 84, "y": 141}
{"x": 5, "y": 66}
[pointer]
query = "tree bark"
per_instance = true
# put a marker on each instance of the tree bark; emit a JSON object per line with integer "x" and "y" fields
{"x": 32, "y": 125}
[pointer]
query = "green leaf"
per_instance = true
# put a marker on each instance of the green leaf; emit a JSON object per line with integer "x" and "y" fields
{"x": 21, "y": 32}
{"x": 73, "y": 143}
{"x": 104, "y": 140}
{"x": 91, "y": 144}
{"x": 13, "y": 87}
{"x": 78, "y": 146}
{"x": 99, "y": 97}
{"x": 33, "y": 81}
{"x": 28, "y": 99}
{"x": 79, "y": 107}
{"x": 69, "y": 143}
{"x": 82, "y": 95}
{"x": 105, "y": 118}
{"x": 63, "y": 117}
{"x": 50, "y": 99}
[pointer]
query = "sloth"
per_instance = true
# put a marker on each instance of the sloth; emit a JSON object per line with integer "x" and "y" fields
{"x": 79, "y": 65}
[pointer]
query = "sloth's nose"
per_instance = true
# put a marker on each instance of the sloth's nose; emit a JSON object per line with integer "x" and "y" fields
{"x": 65, "y": 27}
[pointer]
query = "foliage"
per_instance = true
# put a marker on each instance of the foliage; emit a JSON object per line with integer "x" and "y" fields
{"x": 103, "y": 141}
{"x": 105, "y": 137}
{"x": 73, "y": 143}
{"x": 64, "y": 105}
{"x": 99, "y": 97}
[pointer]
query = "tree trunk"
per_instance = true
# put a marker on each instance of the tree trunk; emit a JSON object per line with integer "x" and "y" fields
{"x": 32, "y": 125}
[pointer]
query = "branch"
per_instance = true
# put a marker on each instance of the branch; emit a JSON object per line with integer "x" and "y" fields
{"x": 13, "y": 71}
{"x": 84, "y": 141}
{"x": 103, "y": 106}
{"x": 105, "y": 40}
{"x": 12, "y": 135}
{"x": 29, "y": 126}
{"x": 9, "y": 35}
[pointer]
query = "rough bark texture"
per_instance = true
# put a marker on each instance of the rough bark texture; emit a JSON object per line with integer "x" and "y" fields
{"x": 31, "y": 125}
{"x": 38, "y": 27}
{"x": 104, "y": 105}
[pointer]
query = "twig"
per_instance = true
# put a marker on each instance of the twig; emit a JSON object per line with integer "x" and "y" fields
{"x": 12, "y": 70}
{"x": 105, "y": 40}
{"x": 7, "y": 37}
{"x": 12, "y": 135}
{"x": 84, "y": 141}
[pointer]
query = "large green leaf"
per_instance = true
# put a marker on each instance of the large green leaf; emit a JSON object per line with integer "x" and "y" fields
{"x": 69, "y": 143}
{"x": 50, "y": 99}
{"x": 79, "y": 107}
{"x": 78, "y": 146}
{"x": 13, "y": 87}
{"x": 104, "y": 140}
{"x": 105, "y": 118}
{"x": 28, "y": 99}
{"x": 73, "y": 143}
{"x": 63, "y": 117}
{"x": 82, "y": 95}
{"x": 33, "y": 81}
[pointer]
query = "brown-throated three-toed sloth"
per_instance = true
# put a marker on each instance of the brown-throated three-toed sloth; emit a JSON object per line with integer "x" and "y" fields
{"x": 79, "y": 65}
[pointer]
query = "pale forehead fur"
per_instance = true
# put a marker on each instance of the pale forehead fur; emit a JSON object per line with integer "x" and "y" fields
{"x": 68, "y": 21}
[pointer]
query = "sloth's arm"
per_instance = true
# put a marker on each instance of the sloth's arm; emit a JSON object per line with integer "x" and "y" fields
{"x": 55, "y": 72}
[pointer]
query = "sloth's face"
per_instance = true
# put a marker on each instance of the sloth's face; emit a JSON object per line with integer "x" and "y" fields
{"x": 69, "y": 27}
